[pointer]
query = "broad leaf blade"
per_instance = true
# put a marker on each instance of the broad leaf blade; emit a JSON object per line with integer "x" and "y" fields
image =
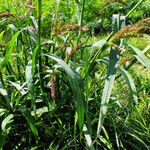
{"x": 18, "y": 87}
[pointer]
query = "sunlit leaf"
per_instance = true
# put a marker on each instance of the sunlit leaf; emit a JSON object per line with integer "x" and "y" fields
{"x": 5, "y": 122}
{"x": 98, "y": 45}
{"x": 88, "y": 138}
{"x": 2, "y": 111}
{"x": 40, "y": 111}
{"x": 18, "y": 87}
{"x": 141, "y": 57}
{"x": 4, "y": 93}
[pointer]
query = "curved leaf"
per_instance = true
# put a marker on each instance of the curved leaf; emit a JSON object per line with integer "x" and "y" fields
{"x": 9, "y": 50}
{"x": 98, "y": 44}
{"x": 128, "y": 79}
{"x": 130, "y": 83}
{"x": 30, "y": 120}
{"x": 109, "y": 82}
{"x": 141, "y": 57}
{"x": 5, "y": 122}
{"x": 74, "y": 83}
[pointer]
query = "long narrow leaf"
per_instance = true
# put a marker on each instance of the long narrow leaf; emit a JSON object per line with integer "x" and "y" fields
{"x": 34, "y": 60}
{"x": 141, "y": 141}
{"x": 29, "y": 80}
{"x": 4, "y": 93}
{"x": 74, "y": 83}
{"x": 109, "y": 82}
{"x": 1, "y": 36}
{"x": 88, "y": 138}
{"x": 141, "y": 57}
{"x": 2, "y": 111}
{"x": 130, "y": 83}
{"x": 9, "y": 50}
{"x": 30, "y": 120}
{"x": 128, "y": 79}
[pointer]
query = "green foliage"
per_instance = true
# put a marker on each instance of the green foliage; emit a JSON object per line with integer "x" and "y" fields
{"x": 64, "y": 87}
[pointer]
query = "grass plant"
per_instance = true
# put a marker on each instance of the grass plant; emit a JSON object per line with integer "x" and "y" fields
{"x": 62, "y": 87}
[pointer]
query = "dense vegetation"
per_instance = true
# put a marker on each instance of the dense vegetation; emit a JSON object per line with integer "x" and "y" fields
{"x": 75, "y": 74}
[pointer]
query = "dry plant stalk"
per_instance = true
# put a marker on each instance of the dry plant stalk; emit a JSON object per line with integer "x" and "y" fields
{"x": 118, "y": 47}
{"x": 75, "y": 27}
{"x": 73, "y": 50}
{"x": 61, "y": 29}
{"x": 124, "y": 60}
{"x": 53, "y": 87}
{"x": 146, "y": 20}
{"x": 7, "y": 14}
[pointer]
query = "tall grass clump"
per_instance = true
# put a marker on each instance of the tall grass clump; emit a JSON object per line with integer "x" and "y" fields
{"x": 64, "y": 87}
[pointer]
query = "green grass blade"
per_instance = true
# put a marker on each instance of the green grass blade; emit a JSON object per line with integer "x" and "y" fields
{"x": 146, "y": 49}
{"x": 98, "y": 45}
{"x": 34, "y": 60}
{"x": 134, "y": 7}
{"x": 88, "y": 138}
{"x": 109, "y": 144}
{"x": 9, "y": 50}
{"x": 29, "y": 80}
{"x": 141, "y": 57}
{"x": 2, "y": 140}
{"x": 130, "y": 83}
{"x": 33, "y": 35}
{"x": 40, "y": 52}
{"x": 109, "y": 82}
{"x": 1, "y": 36}
{"x": 29, "y": 77}
{"x": 102, "y": 47}
{"x": 34, "y": 22}
{"x": 141, "y": 141}
{"x": 74, "y": 83}
{"x": 128, "y": 79}
{"x": 18, "y": 87}
{"x": 30, "y": 120}
{"x": 2, "y": 111}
